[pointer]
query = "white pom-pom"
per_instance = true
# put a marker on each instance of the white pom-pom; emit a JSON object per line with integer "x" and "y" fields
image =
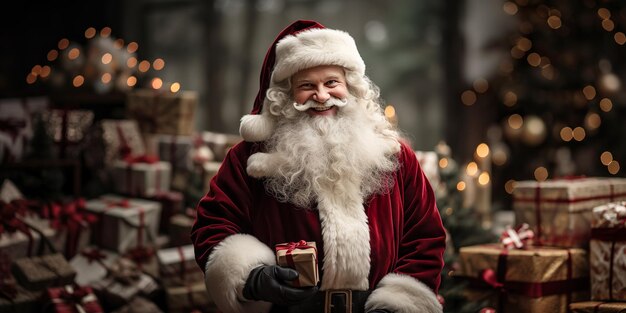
{"x": 255, "y": 128}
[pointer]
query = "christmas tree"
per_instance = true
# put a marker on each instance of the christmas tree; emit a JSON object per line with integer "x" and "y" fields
{"x": 556, "y": 96}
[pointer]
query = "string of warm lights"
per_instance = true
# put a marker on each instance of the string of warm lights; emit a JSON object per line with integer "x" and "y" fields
{"x": 103, "y": 64}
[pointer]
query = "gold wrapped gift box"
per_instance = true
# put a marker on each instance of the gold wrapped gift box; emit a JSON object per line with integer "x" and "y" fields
{"x": 163, "y": 112}
{"x": 560, "y": 210}
{"x": 303, "y": 258}
{"x": 535, "y": 279}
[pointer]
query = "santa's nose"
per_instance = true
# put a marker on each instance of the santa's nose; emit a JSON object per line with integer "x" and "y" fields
{"x": 321, "y": 96}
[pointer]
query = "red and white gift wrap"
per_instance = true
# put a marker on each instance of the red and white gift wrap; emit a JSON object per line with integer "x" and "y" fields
{"x": 91, "y": 264}
{"x": 70, "y": 299}
{"x": 559, "y": 210}
{"x": 19, "y": 236}
{"x": 607, "y": 252}
{"x": 302, "y": 257}
{"x": 178, "y": 266}
{"x": 124, "y": 222}
{"x": 121, "y": 138}
{"x": 141, "y": 176}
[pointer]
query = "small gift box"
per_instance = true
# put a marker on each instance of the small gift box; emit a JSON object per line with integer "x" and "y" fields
{"x": 73, "y": 225}
{"x": 177, "y": 150}
{"x": 22, "y": 233}
{"x": 560, "y": 210}
{"x": 120, "y": 138}
{"x": 139, "y": 304}
{"x": 171, "y": 203}
{"x": 91, "y": 264}
{"x": 141, "y": 176}
{"x": 535, "y": 279}
{"x": 38, "y": 273}
{"x": 607, "y": 251}
{"x": 74, "y": 299}
{"x": 178, "y": 266}
{"x": 123, "y": 282}
{"x": 301, "y": 256}
{"x": 124, "y": 223}
{"x": 598, "y": 307}
{"x": 189, "y": 298}
{"x": 180, "y": 229}
{"x": 163, "y": 112}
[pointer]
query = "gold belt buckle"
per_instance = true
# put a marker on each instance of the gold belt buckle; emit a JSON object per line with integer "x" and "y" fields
{"x": 328, "y": 303}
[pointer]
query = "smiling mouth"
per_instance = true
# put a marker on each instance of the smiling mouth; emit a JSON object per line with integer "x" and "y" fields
{"x": 322, "y": 109}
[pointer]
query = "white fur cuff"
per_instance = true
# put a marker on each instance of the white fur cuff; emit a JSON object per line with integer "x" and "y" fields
{"x": 228, "y": 268}
{"x": 403, "y": 294}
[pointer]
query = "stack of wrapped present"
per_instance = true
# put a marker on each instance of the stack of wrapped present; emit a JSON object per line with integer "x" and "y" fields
{"x": 125, "y": 247}
{"x": 567, "y": 250}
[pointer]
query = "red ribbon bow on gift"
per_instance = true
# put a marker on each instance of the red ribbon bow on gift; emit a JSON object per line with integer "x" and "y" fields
{"x": 140, "y": 254}
{"x": 24, "y": 206}
{"x": 93, "y": 255}
{"x": 489, "y": 276}
{"x": 517, "y": 238}
{"x": 71, "y": 215}
{"x": 293, "y": 245}
{"x": 75, "y": 296}
{"x": 9, "y": 221}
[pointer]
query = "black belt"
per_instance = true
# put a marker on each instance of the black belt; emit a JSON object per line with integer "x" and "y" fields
{"x": 333, "y": 301}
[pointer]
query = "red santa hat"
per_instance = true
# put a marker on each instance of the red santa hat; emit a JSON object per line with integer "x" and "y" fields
{"x": 302, "y": 45}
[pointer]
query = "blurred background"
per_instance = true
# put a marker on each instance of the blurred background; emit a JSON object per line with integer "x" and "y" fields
{"x": 490, "y": 92}
{"x": 539, "y": 82}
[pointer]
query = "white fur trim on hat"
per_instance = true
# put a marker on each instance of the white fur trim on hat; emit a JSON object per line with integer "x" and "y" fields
{"x": 315, "y": 47}
{"x": 403, "y": 294}
{"x": 257, "y": 127}
{"x": 228, "y": 268}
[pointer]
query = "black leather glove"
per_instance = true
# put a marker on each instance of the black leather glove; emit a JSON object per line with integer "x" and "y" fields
{"x": 379, "y": 311}
{"x": 268, "y": 283}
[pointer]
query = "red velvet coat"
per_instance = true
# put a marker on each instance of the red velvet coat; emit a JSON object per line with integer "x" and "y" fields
{"x": 406, "y": 233}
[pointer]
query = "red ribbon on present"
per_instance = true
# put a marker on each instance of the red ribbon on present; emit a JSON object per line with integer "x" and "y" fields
{"x": 93, "y": 255}
{"x": 71, "y": 299}
{"x": 73, "y": 217}
{"x": 517, "y": 238}
{"x": 146, "y": 159}
{"x": 10, "y": 223}
{"x": 140, "y": 255}
{"x": 497, "y": 280}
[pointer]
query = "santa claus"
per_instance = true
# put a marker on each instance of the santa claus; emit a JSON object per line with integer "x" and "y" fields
{"x": 320, "y": 162}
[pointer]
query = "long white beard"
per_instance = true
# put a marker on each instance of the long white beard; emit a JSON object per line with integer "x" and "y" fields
{"x": 350, "y": 155}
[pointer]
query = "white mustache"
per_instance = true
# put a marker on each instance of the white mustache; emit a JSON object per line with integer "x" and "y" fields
{"x": 314, "y": 104}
